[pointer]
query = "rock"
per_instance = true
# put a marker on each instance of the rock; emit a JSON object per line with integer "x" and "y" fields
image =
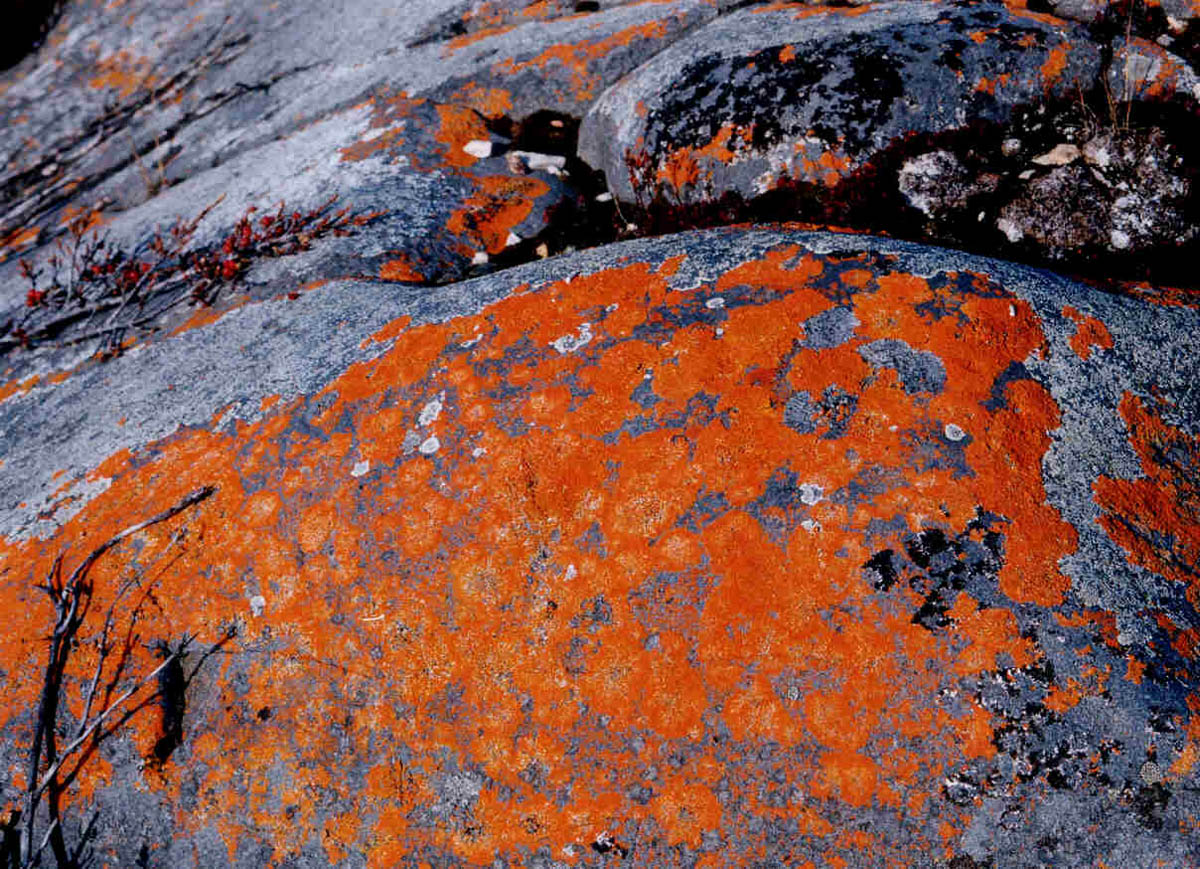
{"x": 1059, "y": 155}
{"x": 1142, "y": 71}
{"x": 847, "y": 84}
{"x": 1131, "y": 196}
{"x": 401, "y": 164}
{"x": 563, "y": 64}
{"x": 1162, "y": 19}
{"x": 145, "y": 95}
{"x": 138, "y": 138}
{"x": 1085, "y": 11}
{"x": 937, "y": 184}
{"x": 431, "y": 541}
{"x": 687, "y": 549}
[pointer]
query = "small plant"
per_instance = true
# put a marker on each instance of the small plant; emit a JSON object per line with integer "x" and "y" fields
{"x": 109, "y": 698}
{"x": 154, "y": 180}
{"x": 90, "y": 289}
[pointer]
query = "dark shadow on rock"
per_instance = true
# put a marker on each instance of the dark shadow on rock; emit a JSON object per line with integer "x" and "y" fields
{"x": 28, "y": 22}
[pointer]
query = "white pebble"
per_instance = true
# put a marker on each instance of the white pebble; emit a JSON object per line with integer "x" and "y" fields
{"x": 430, "y": 445}
{"x": 478, "y": 148}
{"x": 360, "y": 468}
{"x": 954, "y": 432}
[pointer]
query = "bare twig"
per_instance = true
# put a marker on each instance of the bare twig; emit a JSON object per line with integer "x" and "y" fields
{"x": 72, "y": 598}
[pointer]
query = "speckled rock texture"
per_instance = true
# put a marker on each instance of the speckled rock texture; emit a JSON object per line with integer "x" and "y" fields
{"x": 732, "y": 547}
{"x": 200, "y": 100}
{"x": 753, "y": 546}
{"x": 859, "y": 92}
{"x": 849, "y": 83}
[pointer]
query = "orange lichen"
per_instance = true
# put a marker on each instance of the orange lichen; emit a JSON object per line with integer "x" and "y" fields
{"x": 91, "y": 218}
{"x": 489, "y": 102}
{"x": 989, "y": 85}
{"x": 806, "y": 10}
{"x": 202, "y": 316}
{"x": 1156, "y": 518}
{"x": 400, "y": 269}
{"x": 576, "y": 58}
{"x": 1056, "y": 63}
{"x": 679, "y": 170}
{"x": 18, "y": 240}
{"x": 1090, "y": 333}
{"x": 123, "y": 72}
{"x": 525, "y": 589}
{"x": 458, "y": 126}
{"x": 18, "y": 387}
{"x": 460, "y": 42}
{"x": 500, "y": 204}
{"x": 1164, "y": 77}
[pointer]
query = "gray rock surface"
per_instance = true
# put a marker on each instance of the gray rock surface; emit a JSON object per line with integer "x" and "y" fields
{"x": 1037, "y": 412}
{"x": 755, "y": 545}
{"x": 849, "y": 84}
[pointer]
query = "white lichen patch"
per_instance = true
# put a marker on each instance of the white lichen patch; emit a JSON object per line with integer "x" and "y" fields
{"x": 431, "y": 411}
{"x": 570, "y": 343}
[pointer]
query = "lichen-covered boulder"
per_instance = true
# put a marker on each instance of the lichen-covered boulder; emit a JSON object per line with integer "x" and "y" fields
{"x": 844, "y": 85}
{"x": 1143, "y": 71}
{"x": 745, "y": 547}
{"x": 128, "y": 100}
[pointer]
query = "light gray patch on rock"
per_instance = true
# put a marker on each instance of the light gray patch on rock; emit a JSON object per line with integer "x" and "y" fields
{"x": 830, "y": 328}
{"x": 798, "y": 413}
{"x": 920, "y": 371}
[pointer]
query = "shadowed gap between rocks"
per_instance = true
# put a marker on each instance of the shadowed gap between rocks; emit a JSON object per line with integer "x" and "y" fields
{"x": 871, "y": 200}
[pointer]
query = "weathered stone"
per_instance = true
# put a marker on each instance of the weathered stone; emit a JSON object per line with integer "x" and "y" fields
{"x": 845, "y": 86}
{"x": 1141, "y": 70}
{"x": 697, "y": 550}
{"x": 937, "y": 184}
{"x": 1131, "y": 195}
{"x": 752, "y": 546}
{"x": 563, "y": 64}
{"x": 137, "y": 97}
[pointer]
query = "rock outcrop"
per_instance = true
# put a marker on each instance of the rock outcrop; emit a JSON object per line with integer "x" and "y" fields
{"x": 418, "y": 538}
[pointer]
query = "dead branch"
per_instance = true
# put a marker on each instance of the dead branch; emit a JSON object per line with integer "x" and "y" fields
{"x": 72, "y": 599}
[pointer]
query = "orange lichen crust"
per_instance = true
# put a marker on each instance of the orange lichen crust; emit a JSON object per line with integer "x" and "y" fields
{"x": 577, "y": 58}
{"x": 586, "y": 563}
{"x": 124, "y": 73}
{"x": 1156, "y": 518}
{"x": 1090, "y": 333}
